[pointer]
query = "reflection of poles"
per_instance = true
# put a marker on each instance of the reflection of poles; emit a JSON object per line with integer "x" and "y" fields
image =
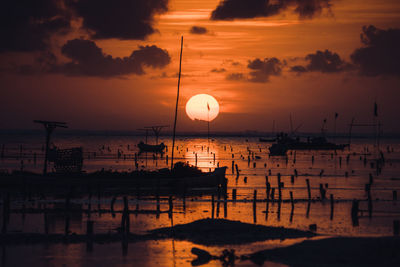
{"x": 176, "y": 107}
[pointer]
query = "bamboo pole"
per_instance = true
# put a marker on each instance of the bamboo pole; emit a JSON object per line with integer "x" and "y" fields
{"x": 176, "y": 106}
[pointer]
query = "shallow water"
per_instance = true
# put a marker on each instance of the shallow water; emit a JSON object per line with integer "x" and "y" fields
{"x": 225, "y": 150}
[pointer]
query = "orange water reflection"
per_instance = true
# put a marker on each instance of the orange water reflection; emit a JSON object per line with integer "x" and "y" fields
{"x": 203, "y": 154}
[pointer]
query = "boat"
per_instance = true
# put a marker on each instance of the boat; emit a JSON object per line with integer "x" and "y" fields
{"x": 151, "y": 148}
{"x": 278, "y": 150}
{"x": 182, "y": 178}
{"x": 316, "y": 143}
{"x": 285, "y": 143}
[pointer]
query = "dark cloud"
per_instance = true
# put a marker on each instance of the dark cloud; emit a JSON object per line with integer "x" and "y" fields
{"x": 198, "y": 30}
{"x": 87, "y": 59}
{"x": 235, "y": 76}
{"x": 381, "y": 52}
{"x": 263, "y": 69}
{"x": 122, "y": 19}
{"x": 323, "y": 61}
{"x": 27, "y": 25}
{"x": 298, "y": 68}
{"x": 242, "y": 9}
{"x": 218, "y": 70}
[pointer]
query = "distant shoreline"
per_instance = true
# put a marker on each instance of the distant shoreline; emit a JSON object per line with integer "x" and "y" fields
{"x": 250, "y": 134}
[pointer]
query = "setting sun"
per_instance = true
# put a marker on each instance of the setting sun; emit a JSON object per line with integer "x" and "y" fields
{"x": 202, "y": 107}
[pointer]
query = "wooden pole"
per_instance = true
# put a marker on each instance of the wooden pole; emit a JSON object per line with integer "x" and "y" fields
{"x": 279, "y": 187}
{"x": 225, "y": 206}
{"x": 255, "y": 206}
{"x": 308, "y": 189}
{"x": 292, "y": 210}
{"x": 171, "y": 207}
{"x": 176, "y": 106}
{"x": 212, "y": 206}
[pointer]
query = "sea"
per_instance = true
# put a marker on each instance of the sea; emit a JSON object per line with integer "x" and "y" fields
{"x": 343, "y": 175}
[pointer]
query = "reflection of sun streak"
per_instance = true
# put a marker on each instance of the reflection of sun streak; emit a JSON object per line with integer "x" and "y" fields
{"x": 205, "y": 160}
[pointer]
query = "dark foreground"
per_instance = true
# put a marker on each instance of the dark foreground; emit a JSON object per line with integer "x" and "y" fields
{"x": 343, "y": 251}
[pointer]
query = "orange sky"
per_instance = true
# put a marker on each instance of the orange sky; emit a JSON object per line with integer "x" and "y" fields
{"x": 128, "y": 102}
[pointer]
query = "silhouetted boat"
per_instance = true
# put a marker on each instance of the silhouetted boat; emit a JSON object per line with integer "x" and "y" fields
{"x": 285, "y": 143}
{"x": 151, "y": 148}
{"x": 314, "y": 143}
{"x": 278, "y": 150}
{"x": 180, "y": 179}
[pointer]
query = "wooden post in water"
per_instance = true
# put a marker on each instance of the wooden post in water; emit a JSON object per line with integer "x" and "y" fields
{"x": 112, "y": 206}
{"x": 218, "y": 200}
{"x": 225, "y": 206}
{"x": 171, "y": 207}
{"x": 255, "y": 206}
{"x": 322, "y": 191}
{"x": 158, "y": 205}
{"x": 279, "y": 211}
{"x": 292, "y": 200}
{"x": 125, "y": 217}
{"x": 369, "y": 206}
{"x": 354, "y": 212}
{"x": 279, "y": 187}
{"x": 237, "y": 171}
{"x": 292, "y": 210}
{"x": 212, "y": 206}
{"x": 332, "y": 206}
{"x": 308, "y": 189}
{"x": 308, "y": 209}
{"x": 234, "y": 195}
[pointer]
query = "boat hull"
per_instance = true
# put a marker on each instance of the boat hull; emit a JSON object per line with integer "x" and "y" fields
{"x": 113, "y": 183}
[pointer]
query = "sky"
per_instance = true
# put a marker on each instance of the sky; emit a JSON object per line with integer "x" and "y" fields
{"x": 113, "y": 65}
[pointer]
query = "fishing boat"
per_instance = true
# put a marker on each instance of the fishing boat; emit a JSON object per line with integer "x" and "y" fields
{"x": 278, "y": 150}
{"x": 314, "y": 143}
{"x": 151, "y": 148}
{"x": 183, "y": 178}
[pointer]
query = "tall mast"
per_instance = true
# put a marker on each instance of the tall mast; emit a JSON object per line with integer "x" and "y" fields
{"x": 176, "y": 107}
{"x": 208, "y": 125}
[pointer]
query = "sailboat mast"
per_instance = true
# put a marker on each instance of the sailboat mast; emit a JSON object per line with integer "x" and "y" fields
{"x": 176, "y": 107}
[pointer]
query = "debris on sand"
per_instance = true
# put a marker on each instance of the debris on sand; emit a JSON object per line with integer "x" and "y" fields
{"x": 224, "y": 232}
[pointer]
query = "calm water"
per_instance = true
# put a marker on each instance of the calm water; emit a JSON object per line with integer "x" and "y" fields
{"x": 102, "y": 152}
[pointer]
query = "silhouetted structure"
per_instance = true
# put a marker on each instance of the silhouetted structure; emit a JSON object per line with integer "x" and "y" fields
{"x": 49, "y": 126}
